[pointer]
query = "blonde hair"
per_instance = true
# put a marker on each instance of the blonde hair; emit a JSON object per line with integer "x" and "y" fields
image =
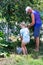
{"x": 23, "y": 23}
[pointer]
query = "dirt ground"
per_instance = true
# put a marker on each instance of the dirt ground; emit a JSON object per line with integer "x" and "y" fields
{"x": 7, "y": 61}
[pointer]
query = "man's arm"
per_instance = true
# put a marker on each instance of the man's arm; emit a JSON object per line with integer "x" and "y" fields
{"x": 33, "y": 20}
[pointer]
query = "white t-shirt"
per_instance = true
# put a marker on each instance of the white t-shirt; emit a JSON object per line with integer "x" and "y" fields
{"x": 24, "y": 32}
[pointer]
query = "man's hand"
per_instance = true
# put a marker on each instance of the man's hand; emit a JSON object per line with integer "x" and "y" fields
{"x": 28, "y": 25}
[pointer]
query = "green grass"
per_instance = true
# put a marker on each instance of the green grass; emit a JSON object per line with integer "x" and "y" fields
{"x": 28, "y": 60}
{"x": 23, "y": 60}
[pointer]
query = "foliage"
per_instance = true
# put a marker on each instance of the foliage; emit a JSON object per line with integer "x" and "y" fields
{"x": 1, "y": 34}
{"x": 14, "y": 11}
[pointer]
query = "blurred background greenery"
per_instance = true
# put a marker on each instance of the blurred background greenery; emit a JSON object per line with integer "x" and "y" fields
{"x": 12, "y": 12}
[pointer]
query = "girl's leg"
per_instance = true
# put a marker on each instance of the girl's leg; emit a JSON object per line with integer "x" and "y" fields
{"x": 24, "y": 48}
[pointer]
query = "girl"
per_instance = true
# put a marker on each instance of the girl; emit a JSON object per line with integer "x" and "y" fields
{"x": 25, "y": 37}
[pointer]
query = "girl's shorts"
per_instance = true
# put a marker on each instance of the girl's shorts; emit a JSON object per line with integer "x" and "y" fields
{"x": 26, "y": 41}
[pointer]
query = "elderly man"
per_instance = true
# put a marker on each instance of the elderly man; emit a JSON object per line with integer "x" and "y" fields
{"x": 36, "y": 22}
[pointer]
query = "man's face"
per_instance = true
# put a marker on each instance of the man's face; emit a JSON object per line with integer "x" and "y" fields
{"x": 29, "y": 11}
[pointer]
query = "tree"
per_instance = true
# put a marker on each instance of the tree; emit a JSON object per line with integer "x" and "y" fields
{"x": 14, "y": 10}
